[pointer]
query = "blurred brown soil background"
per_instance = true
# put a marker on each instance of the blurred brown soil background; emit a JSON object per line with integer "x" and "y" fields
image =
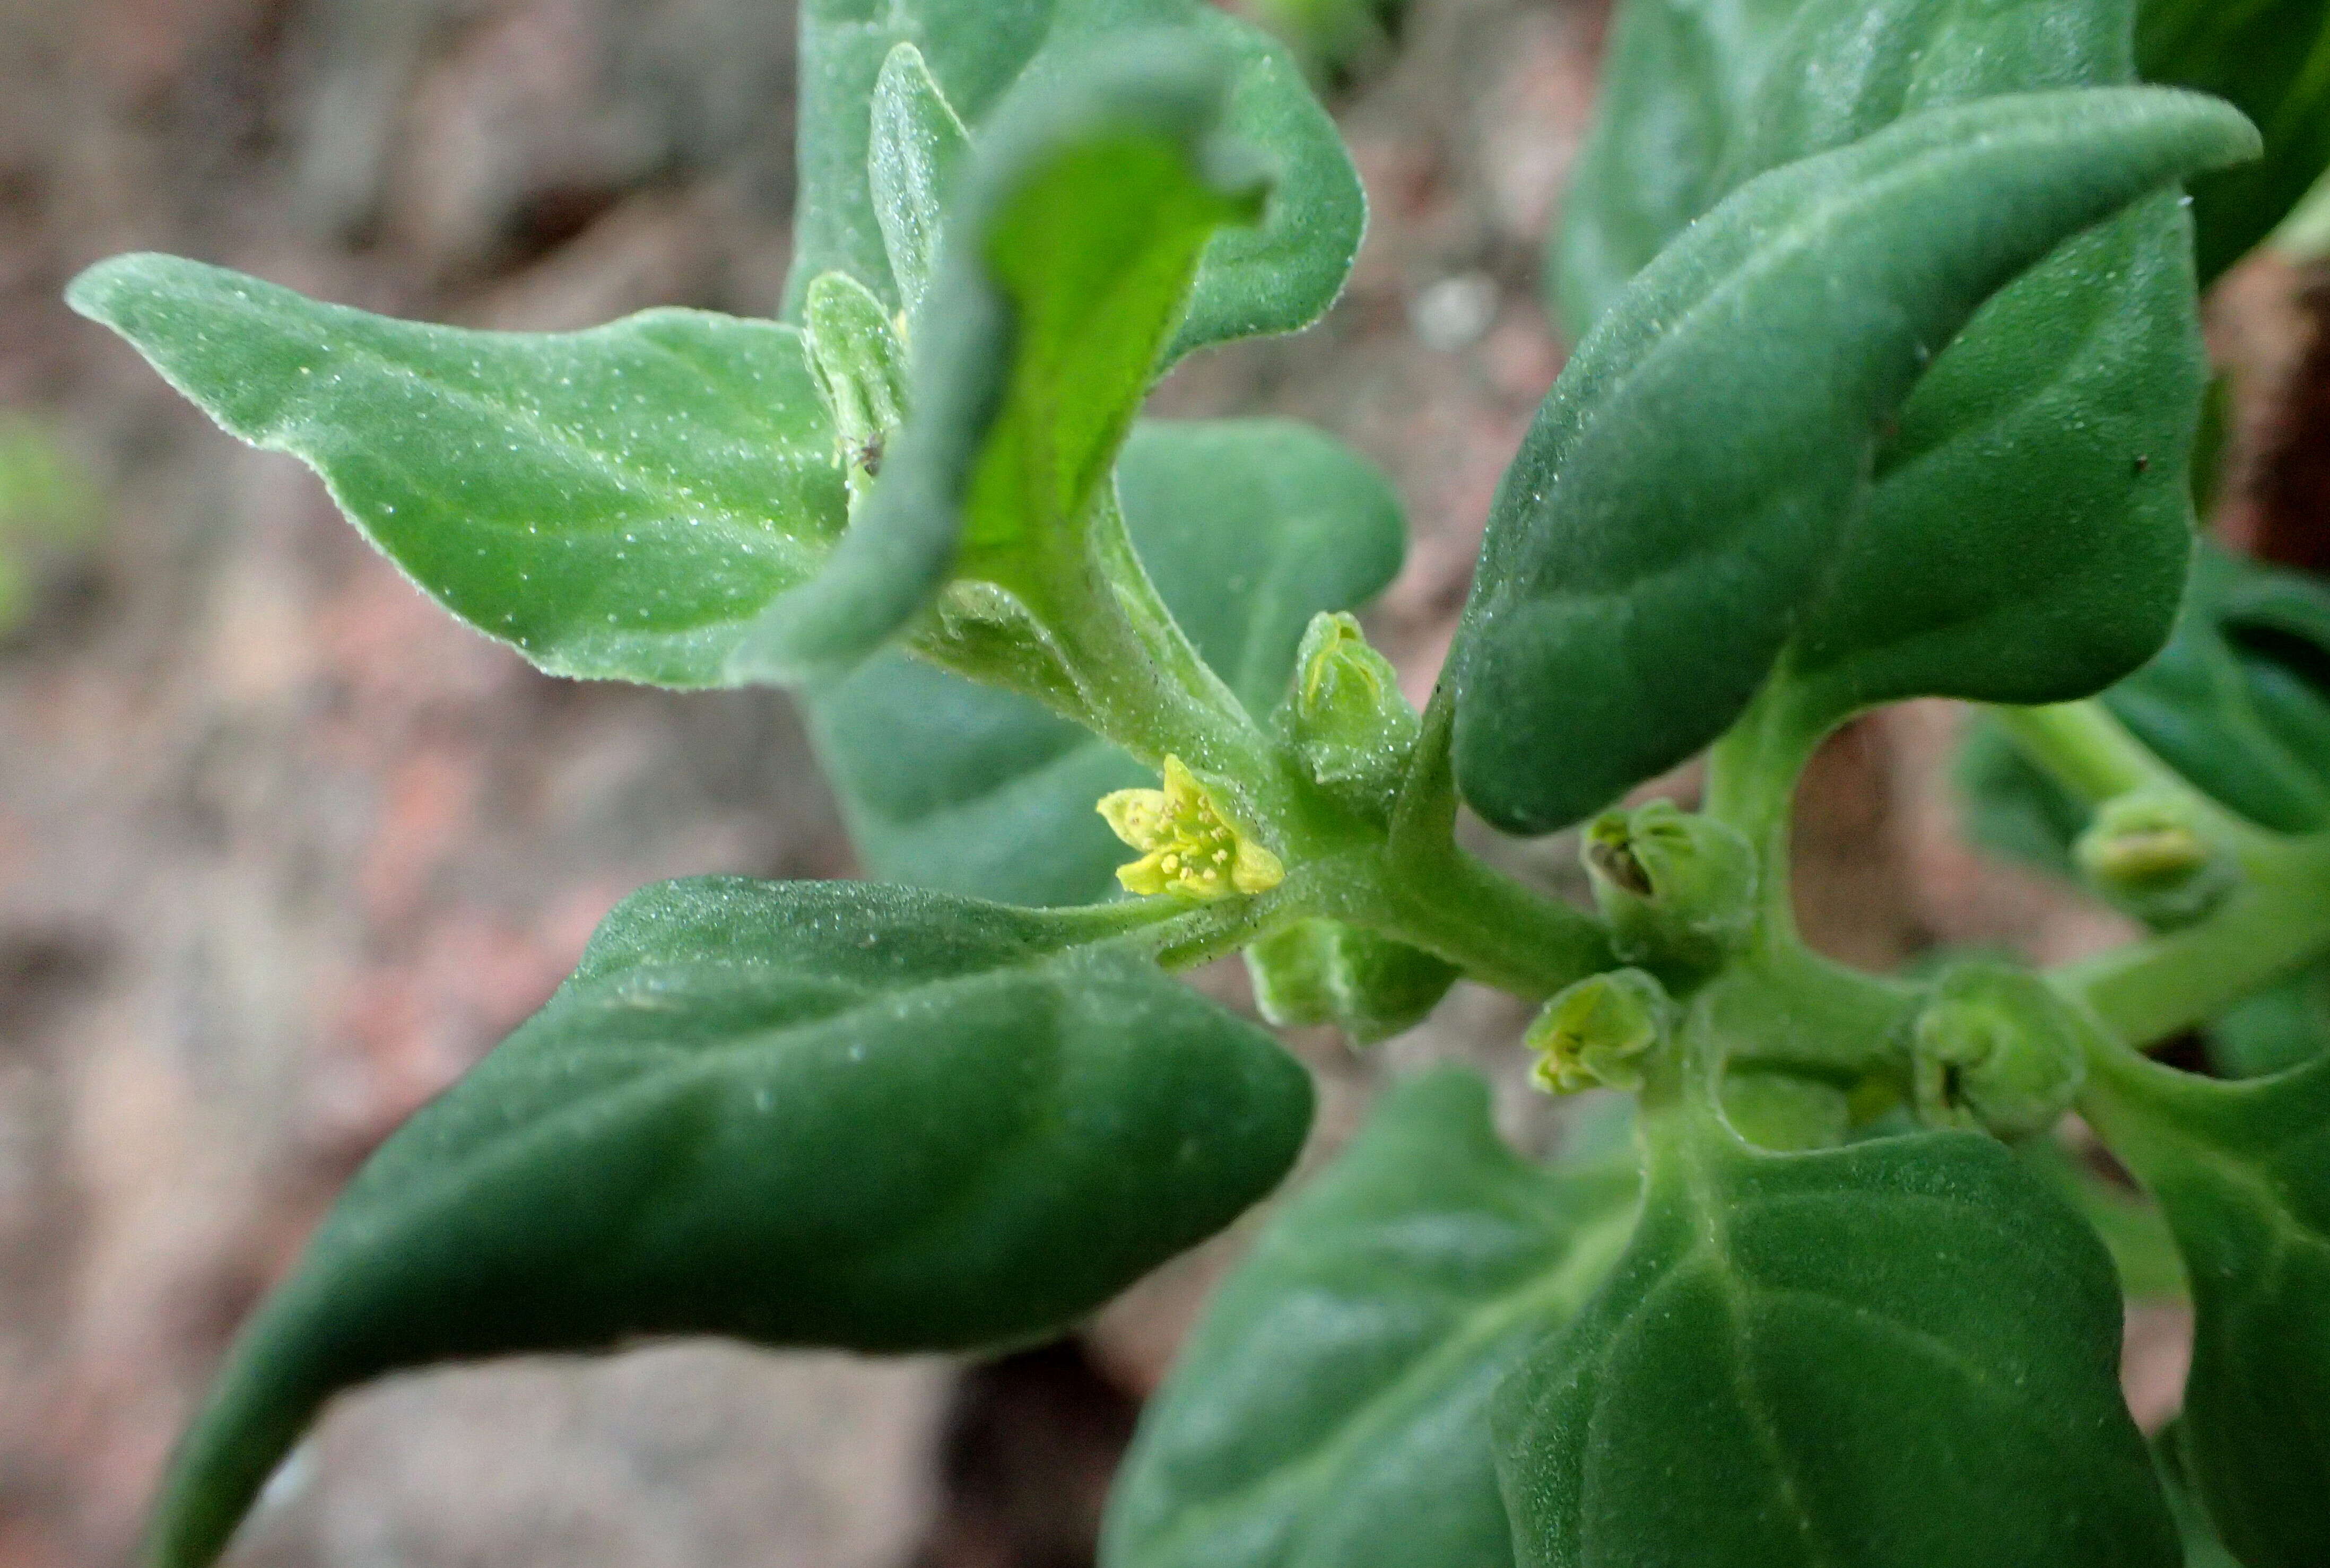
{"x": 282, "y": 849}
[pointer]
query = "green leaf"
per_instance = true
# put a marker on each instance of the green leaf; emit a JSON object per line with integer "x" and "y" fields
{"x": 1248, "y": 527}
{"x": 1331, "y": 1408}
{"x": 1681, "y": 496}
{"x": 2239, "y": 702}
{"x": 619, "y": 503}
{"x": 1064, "y": 271}
{"x": 1832, "y": 1358}
{"x": 2073, "y": 395}
{"x": 1676, "y": 78}
{"x": 809, "y": 1113}
{"x": 1274, "y": 277}
{"x": 2242, "y": 1171}
{"x": 915, "y": 149}
{"x": 2271, "y": 58}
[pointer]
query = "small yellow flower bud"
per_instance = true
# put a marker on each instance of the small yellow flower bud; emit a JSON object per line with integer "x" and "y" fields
{"x": 1190, "y": 849}
{"x": 1598, "y": 1034}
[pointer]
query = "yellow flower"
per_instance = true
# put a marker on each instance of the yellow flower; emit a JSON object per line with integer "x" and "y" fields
{"x": 1190, "y": 849}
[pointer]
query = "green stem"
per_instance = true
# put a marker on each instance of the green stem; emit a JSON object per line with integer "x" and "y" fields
{"x": 1751, "y": 785}
{"x": 2087, "y": 751}
{"x": 1496, "y": 930}
{"x": 2084, "y": 748}
{"x": 1428, "y": 892}
{"x": 1784, "y": 1005}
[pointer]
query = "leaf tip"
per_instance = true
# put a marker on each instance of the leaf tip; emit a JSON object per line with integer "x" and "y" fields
{"x": 98, "y": 292}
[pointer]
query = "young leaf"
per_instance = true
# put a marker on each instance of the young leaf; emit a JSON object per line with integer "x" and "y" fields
{"x": 1676, "y": 77}
{"x": 1332, "y": 1406}
{"x": 619, "y": 503}
{"x": 1682, "y": 494}
{"x": 1831, "y": 1358}
{"x": 1064, "y": 270}
{"x": 810, "y": 1113}
{"x": 2242, "y": 1171}
{"x": 916, "y": 148}
{"x": 2073, "y": 395}
{"x": 1248, "y": 527}
{"x": 1274, "y": 277}
{"x": 2271, "y": 58}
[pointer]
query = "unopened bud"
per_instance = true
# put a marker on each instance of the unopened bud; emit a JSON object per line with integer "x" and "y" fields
{"x": 859, "y": 364}
{"x": 1346, "y": 715}
{"x": 1321, "y": 971}
{"x": 1677, "y": 889}
{"x": 1601, "y": 1032}
{"x": 1996, "y": 1048}
{"x": 2147, "y": 854}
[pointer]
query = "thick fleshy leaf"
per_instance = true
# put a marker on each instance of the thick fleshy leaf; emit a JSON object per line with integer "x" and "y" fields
{"x": 1831, "y": 1358}
{"x": 2243, "y": 1172}
{"x": 2026, "y": 538}
{"x": 1676, "y": 79}
{"x": 1677, "y": 503}
{"x": 1248, "y": 528}
{"x": 1274, "y": 277}
{"x": 811, "y": 1113}
{"x": 1332, "y": 1407}
{"x": 2272, "y": 58}
{"x": 1064, "y": 270}
{"x": 618, "y": 503}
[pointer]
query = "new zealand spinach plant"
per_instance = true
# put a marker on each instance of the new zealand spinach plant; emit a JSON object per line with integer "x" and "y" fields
{"x": 1888, "y": 385}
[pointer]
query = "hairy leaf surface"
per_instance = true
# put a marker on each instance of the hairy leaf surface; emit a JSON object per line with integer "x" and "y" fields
{"x": 810, "y": 1113}
{"x": 1248, "y": 528}
{"x": 1273, "y": 277}
{"x": 2026, "y": 536}
{"x": 1330, "y": 1411}
{"x": 2242, "y": 1171}
{"x": 1674, "y": 508}
{"x": 1832, "y": 1358}
{"x": 620, "y": 503}
{"x": 2272, "y": 58}
{"x": 1064, "y": 271}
